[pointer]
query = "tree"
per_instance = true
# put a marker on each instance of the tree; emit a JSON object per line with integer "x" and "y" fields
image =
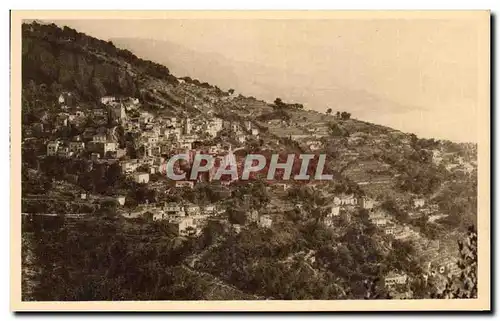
{"x": 108, "y": 208}
{"x": 328, "y": 111}
{"x": 113, "y": 174}
{"x": 278, "y": 102}
{"x": 345, "y": 115}
{"x": 236, "y": 216}
{"x": 231, "y": 91}
{"x": 413, "y": 140}
{"x": 391, "y": 207}
{"x": 375, "y": 289}
{"x": 465, "y": 285}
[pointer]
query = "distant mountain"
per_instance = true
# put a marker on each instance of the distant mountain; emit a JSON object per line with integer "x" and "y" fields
{"x": 261, "y": 81}
{"x": 210, "y": 67}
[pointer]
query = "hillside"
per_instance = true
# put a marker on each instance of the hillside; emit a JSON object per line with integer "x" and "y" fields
{"x": 98, "y": 124}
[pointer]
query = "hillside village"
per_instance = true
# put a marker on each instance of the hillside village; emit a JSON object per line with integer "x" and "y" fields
{"x": 88, "y": 155}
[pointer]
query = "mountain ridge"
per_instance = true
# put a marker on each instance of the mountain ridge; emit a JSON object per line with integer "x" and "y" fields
{"x": 98, "y": 124}
{"x": 227, "y": 72}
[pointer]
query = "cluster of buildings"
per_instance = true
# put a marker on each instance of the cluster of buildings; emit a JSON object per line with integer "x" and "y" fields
{"x": 153, "y": 137}
{"x": 106, "y": 133}
{"x": 386, "y": 223}
{"x": 394, "y": 278}
{"x": 100, "y": 145}
{"x": 420, "y": 208}
{"x": 185, "y": 219}
{"x": 262, "y": 220}
{"x": 343, "y": 205}
{"x": 441, "y": 261}
{"x": 181, "y": 218}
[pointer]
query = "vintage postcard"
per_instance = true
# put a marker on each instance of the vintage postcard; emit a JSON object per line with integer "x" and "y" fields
{"x": 250, "y": 161}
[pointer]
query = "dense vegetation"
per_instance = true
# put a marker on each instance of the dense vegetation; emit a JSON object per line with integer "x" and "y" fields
{"x": 110, "y": 258}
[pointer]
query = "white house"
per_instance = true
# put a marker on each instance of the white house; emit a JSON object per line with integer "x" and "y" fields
{"x": 214, "y": 126}
{"x": 328, "y": 221}
{"x": 280, "y": 186}
{"x": 146, "y": 118}
{"x": 378, "y": 219}
{"x": 210, "y": 209}
{"x": 121, "y": 199}
{"x": 366, "y": 203}
{"x": 174, "y": 209}
{"x": 119, "y": 114}
{"x": 333, "y": 211}
{"x": 345, "y": 200}
{"x": 248, "y": 125}
{"x": 107, "y": 99}
{"x": 171, "y": 121}
{"x": 395, "y": 278}
{"x": 64, "y": 152}
{"x": 108, "y": 147}
{"x": 159, "y": 216}
{"x": 99, "y": 138}
{"x": 76, "y": 146}
{"x": 390, "y": 229}
{"x": 315, "y": 145}
{"x": 142, "y": 178}
{"x": 192, "y": 210}
{"x": 418, "y": 202}
{"x": 188, "y": 126}
{"x": 79, "y": 114}
{"x": 185, "y": 145}
{"x": 129, "y": 166}
{"x": 183, "y": 226}
{"x": 237, "y": 228}
{"x": 253, "y": 216}
{"x": 181, "y": 184}
{"x": 265, "y": 221}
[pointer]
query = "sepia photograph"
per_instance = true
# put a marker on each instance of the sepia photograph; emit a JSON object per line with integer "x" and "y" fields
{"x": 250, "y": 161}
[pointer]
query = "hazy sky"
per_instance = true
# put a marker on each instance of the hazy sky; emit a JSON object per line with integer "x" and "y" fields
{"x": 427, "y": 68}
